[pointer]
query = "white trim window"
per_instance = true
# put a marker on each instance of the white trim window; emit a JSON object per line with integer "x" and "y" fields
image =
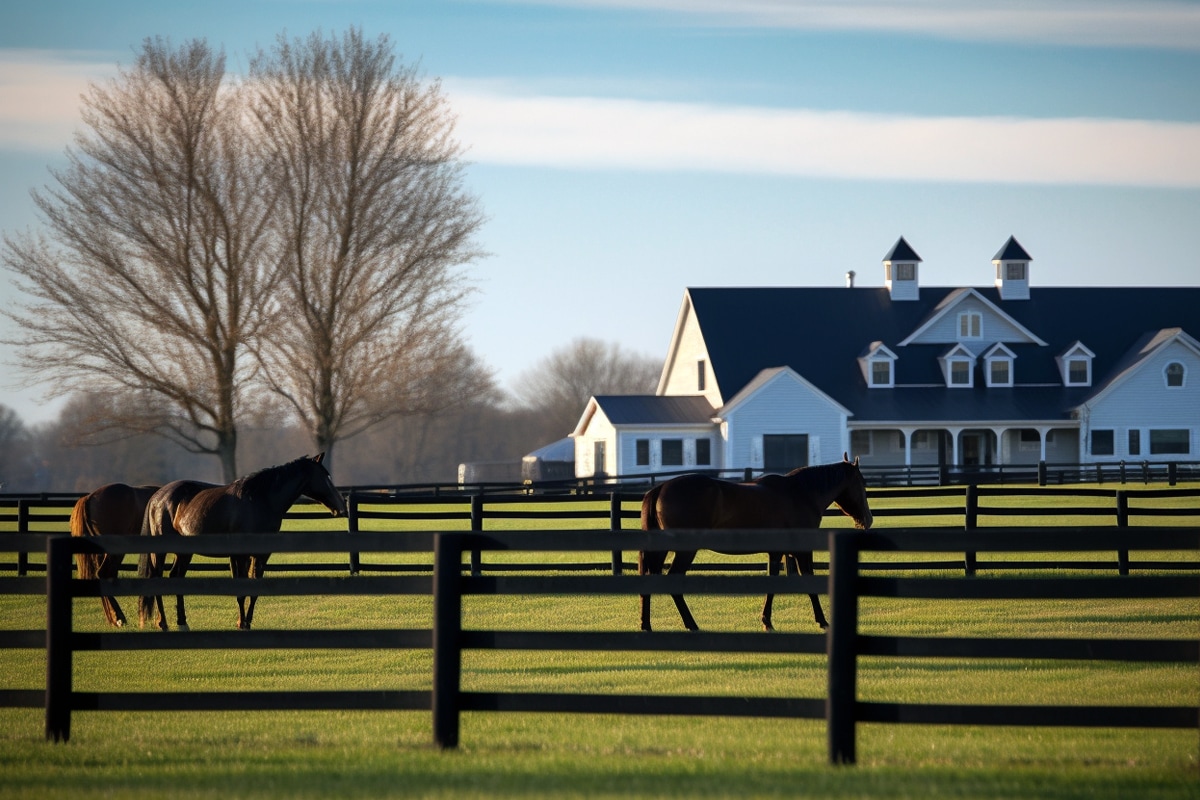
{"x": 878, "y": 365}
{"x": 998, "y": 366}
{"x": 958, "y": 368}
{"x": 970, "y": 325}
{"x": 1075, "y": 365}
{"x": 1175, "y": 374}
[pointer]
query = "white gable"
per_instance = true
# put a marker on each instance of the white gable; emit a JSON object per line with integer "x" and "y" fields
{"x": 945, "y": 324}
{"x": 688, "y": 369}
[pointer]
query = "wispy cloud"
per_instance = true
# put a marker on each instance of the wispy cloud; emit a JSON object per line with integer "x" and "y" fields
{"x": 39, "y": 97}
{"x": 1105, "y": 23}
{"x": 594, "y": 133}
{"x": 39, "y": 109}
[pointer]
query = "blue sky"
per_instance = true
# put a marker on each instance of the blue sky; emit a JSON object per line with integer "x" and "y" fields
{"x": 626, "y": 150}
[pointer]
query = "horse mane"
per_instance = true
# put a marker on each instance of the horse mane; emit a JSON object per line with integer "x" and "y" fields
{"x": 820, "y": 477}
{"x": 264, "y": 480}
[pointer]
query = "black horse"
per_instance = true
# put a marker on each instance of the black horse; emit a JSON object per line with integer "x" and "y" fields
{"x": 795, "y": 500}
{"x": 254, "y": 504}
{"x": 113, "y": 509}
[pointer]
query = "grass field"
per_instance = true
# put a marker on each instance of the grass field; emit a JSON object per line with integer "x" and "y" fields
{"x": 373, "y": 754}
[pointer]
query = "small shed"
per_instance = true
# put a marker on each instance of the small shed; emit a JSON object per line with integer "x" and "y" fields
{"x": 555, "y": 461}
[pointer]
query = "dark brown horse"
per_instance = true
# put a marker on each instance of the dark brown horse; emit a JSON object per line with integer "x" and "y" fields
{"x": 113, "y": 509}
{"x": 254, "y": 504}
{"x": 795, "y": 500}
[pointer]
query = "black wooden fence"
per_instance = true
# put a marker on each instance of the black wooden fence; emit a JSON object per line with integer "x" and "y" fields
{"x": 963, "y": 507}
{"x": 451, "y": 634}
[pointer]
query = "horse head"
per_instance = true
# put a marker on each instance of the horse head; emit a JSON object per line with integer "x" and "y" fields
{"x": 852, "y": 499}
{"x": 319, "y": 486}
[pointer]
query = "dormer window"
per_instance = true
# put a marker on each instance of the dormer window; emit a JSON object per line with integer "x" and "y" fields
{"x": 998, "y": 363}
{"x": 1015, "y": 271}
{"x": 1174, "y": 374}
{"x": 1075, "y": 365}
{"x": 878, "y": 365}
{"x": 958, "y": 368}
{"x": 906, "y": 272}
{"x": 970, "y": 325}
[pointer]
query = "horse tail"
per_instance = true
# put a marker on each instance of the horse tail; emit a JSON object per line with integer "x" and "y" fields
{"x": 82, "y": 525}
{"x": 650, "y": 509}
{"x": 146, "y": 568}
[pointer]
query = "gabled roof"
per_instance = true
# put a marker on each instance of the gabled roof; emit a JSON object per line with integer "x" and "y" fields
{"x": 649, "y": 409}
{"x": 1012, "y": 251}
{"x": 769, "y": 375}
{"x": 821, "y": 332}
{"x": 956, "y": 298}
{"x": 1141, "y": 351}
{"x": 902, "y": 251}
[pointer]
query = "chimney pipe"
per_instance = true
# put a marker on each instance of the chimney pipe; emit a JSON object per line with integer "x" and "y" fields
{"x": 850, "y": 279}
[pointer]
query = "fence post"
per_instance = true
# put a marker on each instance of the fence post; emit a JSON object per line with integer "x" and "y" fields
{"x": 1041, "y": 473}
{"x": 58, "y": 638}
{"x": 447, "y": 637}
{"x": 352, "y": 528}
{"x": 842, "y": 645}
{"x": 614, "y": 524}
{"x": 1122, "y": 522}
{"x": 971, "y": 521}
{"x": 22, "y": 527}
{"x": 1172, "y": 473}
{"x": 476, "y": 527}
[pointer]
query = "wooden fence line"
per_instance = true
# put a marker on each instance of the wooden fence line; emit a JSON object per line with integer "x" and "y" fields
{"x": 1124, "y": 507}
{"x": 449, "y": 637}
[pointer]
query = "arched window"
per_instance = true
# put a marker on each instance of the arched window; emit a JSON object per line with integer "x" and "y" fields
{"x": 1174, "y": 373}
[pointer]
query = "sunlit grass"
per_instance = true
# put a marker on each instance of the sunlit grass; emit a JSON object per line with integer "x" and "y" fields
{"x": 362, "y": 754}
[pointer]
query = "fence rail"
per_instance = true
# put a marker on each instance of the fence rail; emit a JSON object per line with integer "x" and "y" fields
{"x": 452, "y": 633}
{"x": 966, "y": 507}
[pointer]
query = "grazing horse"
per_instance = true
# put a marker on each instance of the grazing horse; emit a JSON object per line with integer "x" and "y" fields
{"x": 795, "y": 500}
{"x": 253, "y": 504}
{"x": 113, "y": 509}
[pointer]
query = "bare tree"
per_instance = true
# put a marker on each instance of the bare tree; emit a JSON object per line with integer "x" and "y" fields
{"x": 14, "y": 447}
{"x": 153, "y": 277}
{"x": 373, "y": 227}
{"x": 561, "y": 383}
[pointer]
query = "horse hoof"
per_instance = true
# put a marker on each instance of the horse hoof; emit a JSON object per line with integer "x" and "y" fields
{"x": 119, "y": 623}
{"x": 183, "y": 627}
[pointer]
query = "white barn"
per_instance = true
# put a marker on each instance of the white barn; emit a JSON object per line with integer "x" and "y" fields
{"x": 775, "y": 378}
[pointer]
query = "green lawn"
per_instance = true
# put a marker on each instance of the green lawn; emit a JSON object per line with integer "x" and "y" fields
{"x": 371, "y": 754}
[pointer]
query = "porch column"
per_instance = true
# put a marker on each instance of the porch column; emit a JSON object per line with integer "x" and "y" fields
{"x": 999, "y": 434}
{"x": 907, "y": 433}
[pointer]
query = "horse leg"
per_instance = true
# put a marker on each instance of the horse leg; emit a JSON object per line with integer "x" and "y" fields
{"x": 150, "y": 565}
{"x": 239, "y": 567}
{"x": 110, "y": 567}
{"x": 769, "y": 602}
{"x": 649, "y": 563}
{"x": 258, "y": 565}
{"x": 804, "y": 565}
{"x": 178, "y": 570}
{"x": 679, "y": 566}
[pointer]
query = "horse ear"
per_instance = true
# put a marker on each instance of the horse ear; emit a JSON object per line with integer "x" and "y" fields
{"x": 856, "y": 461}
{"x": 846, "y": 456}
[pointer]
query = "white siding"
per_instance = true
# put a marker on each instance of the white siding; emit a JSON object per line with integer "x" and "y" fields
{"x": 783, "y": 406}
{"x": 1144, "y": 402}
{"x": 996, "y": 328}
{"x": 599, "y": 428}
{"x": 681, "y": 378}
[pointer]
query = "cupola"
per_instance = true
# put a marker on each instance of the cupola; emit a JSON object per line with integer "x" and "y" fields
{"x": 1012, "y": 271}
{"x": 900, "y": 271}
